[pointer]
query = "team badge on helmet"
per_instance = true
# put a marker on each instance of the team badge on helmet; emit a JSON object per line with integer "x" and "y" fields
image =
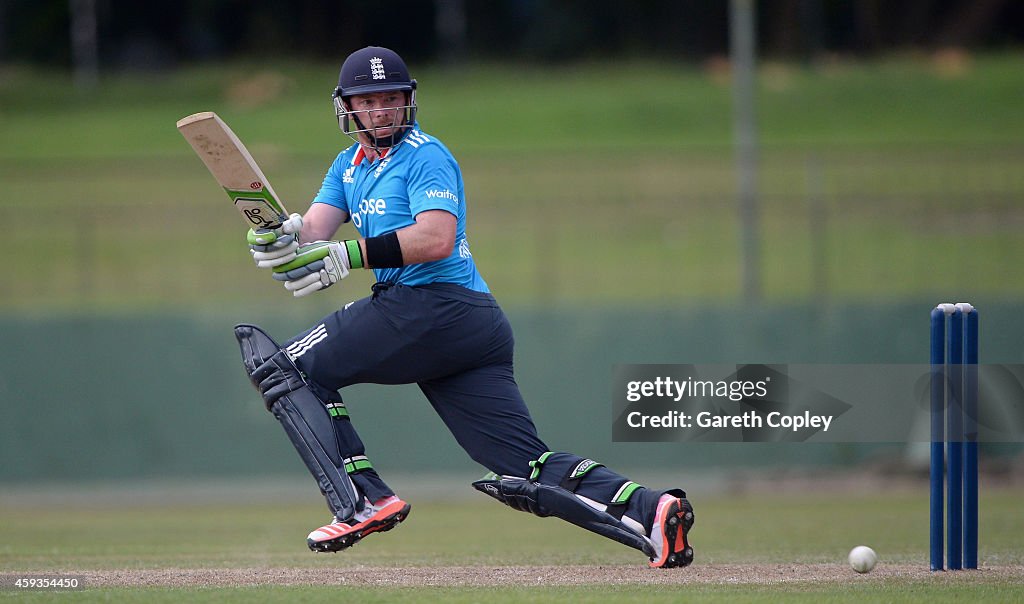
{"x": 377, "y": 68}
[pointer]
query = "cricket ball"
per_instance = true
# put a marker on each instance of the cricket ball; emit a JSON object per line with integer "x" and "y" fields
{"x": 863, "y": 559}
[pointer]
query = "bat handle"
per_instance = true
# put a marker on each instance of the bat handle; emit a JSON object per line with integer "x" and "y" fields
{"x": 257, "y": 236}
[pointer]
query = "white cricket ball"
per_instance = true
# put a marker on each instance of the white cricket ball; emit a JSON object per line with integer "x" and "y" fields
{"x": 863, "y": 559}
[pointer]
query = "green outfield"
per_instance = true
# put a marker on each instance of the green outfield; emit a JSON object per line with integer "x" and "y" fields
{"x": 589, "y": 182}
{"x": 750, "y": 547}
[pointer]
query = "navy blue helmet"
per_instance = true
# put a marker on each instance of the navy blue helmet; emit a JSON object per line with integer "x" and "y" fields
{"x": 369, "y": 70}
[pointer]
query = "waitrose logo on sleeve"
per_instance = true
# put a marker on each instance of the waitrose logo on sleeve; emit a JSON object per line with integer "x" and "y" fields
{"x": 438, "y": 194}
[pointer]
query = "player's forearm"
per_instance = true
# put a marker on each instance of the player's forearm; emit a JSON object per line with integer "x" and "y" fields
{"x": 420, "y": 247}
{"x": 414, "y": 246}
{"x": 313, "y": 231}
{"x": 320, "y": 222}
{"x": 431, "y": 238}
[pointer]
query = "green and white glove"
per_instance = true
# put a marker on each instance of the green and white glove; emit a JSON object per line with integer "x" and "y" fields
{"x": 274, "y": 247}
{"x": 319, "y": 265}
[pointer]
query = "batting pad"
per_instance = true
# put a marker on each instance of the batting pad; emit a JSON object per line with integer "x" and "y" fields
{"x": 302, "y": 414}
{"x": 546, "y": 500}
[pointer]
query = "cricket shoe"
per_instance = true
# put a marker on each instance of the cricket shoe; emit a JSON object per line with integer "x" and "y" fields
{"x": 672, "y": 522}
{"x": 378, "y": 517}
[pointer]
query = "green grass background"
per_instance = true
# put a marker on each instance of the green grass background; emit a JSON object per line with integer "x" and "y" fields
{"x": 780, "y": 528}
{"x": 594, "y": 183}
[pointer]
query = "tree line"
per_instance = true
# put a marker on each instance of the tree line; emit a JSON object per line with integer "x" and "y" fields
{"x": 161, "y": 33}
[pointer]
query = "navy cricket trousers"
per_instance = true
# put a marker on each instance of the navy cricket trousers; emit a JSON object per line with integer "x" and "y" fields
{"x": 454, "y": 343}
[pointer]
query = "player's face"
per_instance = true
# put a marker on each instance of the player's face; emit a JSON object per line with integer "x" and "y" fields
{"x": 381, "y": 112}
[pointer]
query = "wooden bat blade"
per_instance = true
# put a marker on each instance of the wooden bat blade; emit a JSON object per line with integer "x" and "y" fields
{"x": 234, "y": 168}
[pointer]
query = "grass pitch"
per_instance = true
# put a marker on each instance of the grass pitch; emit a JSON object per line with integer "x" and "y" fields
{"x": 750, "y": 548}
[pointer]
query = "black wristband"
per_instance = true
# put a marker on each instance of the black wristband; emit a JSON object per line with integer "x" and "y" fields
{"x": 384, "y": 251}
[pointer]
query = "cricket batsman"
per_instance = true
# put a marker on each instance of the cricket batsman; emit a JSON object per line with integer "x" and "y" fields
{"x": 430, "y": 320}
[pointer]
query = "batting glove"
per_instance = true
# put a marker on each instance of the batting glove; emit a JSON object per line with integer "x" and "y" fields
{"x": 318, "y": 265}
{"x": 274, "y": 247}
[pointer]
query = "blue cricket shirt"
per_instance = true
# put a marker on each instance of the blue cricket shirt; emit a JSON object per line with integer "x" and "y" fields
{"x": 417, "y": 175}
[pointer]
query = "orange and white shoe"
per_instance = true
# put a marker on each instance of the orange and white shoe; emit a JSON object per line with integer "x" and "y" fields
{"x": 378, "y": 517}
{"x": 672, "y": 523}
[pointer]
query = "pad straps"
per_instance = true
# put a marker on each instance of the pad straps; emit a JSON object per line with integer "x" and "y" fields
{"x": 578, "y": 469}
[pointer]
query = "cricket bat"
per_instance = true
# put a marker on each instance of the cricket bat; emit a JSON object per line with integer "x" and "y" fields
{"x": 234, "y": 168}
